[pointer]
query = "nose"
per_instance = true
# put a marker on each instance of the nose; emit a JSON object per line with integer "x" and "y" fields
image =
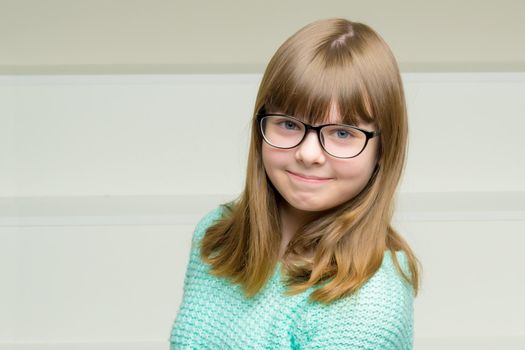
{"x": 310, "y": 150}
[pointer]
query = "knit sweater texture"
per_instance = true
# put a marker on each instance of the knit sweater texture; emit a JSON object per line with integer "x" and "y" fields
{"x": 215, "y": 314}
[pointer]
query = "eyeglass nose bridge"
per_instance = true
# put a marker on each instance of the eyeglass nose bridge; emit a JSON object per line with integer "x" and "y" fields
{"x": 317, "y": 130}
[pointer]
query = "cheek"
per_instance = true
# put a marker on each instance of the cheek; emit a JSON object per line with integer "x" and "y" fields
{"x": 348, "y": 171}
{"x": 362, "y": 166}
{"x": 357, "y": 170}
{"x": 274, "y": 158}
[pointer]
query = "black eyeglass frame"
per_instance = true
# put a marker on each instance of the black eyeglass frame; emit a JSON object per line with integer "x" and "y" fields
{"x": 308, "y": 127}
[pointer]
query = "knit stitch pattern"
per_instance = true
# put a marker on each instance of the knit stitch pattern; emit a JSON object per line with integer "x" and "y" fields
{"x": 215, "y": 314}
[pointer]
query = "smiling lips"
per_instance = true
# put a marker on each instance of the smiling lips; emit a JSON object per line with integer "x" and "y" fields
{"x": 309, "y": 178}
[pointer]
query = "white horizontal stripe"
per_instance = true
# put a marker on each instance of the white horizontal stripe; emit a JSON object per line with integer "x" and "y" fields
{"x": 187, "y": 210}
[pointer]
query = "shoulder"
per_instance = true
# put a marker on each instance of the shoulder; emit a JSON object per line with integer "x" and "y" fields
{"x": 378, "y": 316}
{"x": 388, "y": 275}
{"x": 388, "y": 295}
{"x": 206, "y": 221}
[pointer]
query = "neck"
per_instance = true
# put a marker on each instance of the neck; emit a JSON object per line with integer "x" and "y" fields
{"x": 291, "y": 219}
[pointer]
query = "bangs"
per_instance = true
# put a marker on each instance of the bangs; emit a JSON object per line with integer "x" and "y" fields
{"x": 308, "y": 94}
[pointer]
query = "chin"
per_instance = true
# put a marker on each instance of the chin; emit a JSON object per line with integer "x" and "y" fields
{"x": 309, "y": 207}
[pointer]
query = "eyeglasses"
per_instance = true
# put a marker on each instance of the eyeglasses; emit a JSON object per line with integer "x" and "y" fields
{"x": 338, "y": 140}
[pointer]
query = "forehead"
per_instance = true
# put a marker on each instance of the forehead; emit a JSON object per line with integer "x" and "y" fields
{"x": 321, "y": 109}
{"x": 333, "y": 116}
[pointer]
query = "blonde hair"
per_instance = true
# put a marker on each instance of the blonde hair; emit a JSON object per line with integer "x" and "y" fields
{"x": 328, "y": 61}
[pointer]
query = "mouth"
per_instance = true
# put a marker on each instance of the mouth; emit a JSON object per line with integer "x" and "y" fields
{"x": 308, "y": 178}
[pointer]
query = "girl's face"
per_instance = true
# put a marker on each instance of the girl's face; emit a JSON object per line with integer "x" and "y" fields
{"x": 342, "y": 179}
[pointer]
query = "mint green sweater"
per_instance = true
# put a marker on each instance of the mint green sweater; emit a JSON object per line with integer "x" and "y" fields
{"x": 214, "y": 313}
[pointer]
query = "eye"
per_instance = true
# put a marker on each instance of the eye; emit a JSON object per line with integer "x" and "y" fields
{"x": 343, "y": 134}
{"x": 288, "y": 124}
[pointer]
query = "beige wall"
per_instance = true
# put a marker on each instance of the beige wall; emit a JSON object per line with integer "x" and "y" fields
{"x": 161, "y": 36}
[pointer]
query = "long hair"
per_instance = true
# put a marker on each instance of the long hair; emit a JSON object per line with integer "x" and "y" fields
{"x": 328, "y": 61}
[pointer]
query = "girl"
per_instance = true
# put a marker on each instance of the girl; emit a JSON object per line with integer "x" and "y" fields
{"x": 306, "y": 257}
